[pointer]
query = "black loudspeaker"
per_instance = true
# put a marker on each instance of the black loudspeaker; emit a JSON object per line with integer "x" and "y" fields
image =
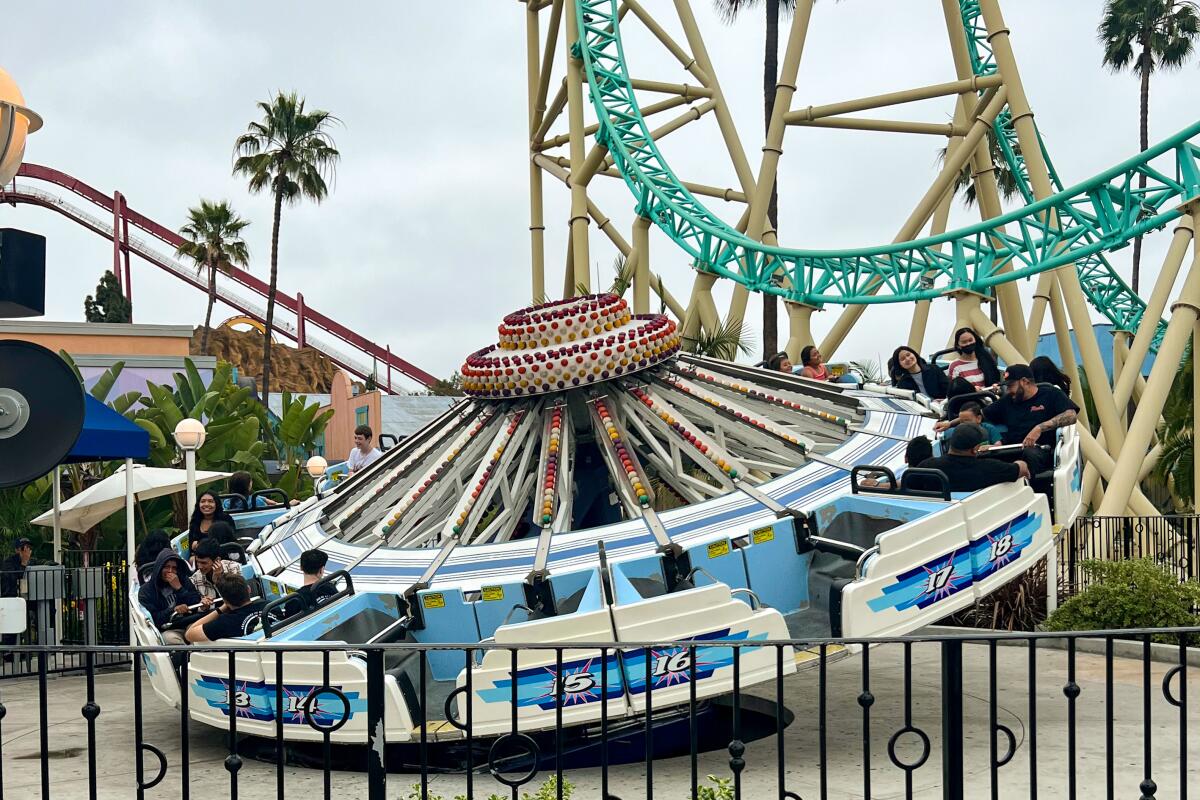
{"x": 22, "y": 274}
{"x": 41, "y": 411}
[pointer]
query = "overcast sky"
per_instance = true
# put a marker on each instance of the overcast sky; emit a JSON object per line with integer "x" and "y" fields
{"x": 423, "y": 243}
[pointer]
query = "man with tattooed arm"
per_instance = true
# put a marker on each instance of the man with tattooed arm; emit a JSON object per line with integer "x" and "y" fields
{"x": 1032, "y": 414}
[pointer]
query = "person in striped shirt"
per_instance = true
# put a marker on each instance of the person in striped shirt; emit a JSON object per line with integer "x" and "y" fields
{"x": 973, "y": 364}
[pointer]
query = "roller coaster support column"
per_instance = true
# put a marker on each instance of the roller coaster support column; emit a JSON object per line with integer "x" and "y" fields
{"x": 1095, "y": 454}
{"x": 758, "y": 225}
{"x": 702, "y": 287}
{"x": 301, "y": 334}
{"x": 989, "y": 106}
{"x": 1039, "y": 176}
{"x": 1128, "y": 380}
{"x": 537, "y": 226}
{"x": 987, "y": 194}
{"x": 580, "y": 279}
{"x": 1184, "y": 315}
{"x": 799, "y": 329}
{"x": 641, "y": 274}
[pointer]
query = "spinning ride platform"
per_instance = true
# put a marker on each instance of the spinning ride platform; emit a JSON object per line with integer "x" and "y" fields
{"x": 599, "y": 485}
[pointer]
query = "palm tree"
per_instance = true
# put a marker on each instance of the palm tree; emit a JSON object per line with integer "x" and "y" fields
{"x": 1164, "y": 31}
{"x": 1176, "y": 464}
{"x": 1006, "y": 180}
{"x": 730, "y": 9}
{"x": 214, "y": 242}
{"x": 290, "y": 153}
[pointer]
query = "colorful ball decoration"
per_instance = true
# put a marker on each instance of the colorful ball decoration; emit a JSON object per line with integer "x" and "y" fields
{"x": 550, "y": 477}
{"x": 568, "y": 343}
{"x": 486, "y": 472}
{"x": 628, "y": 460}
{"x": 430, "y": 477}
{"x": 698, "y": 442}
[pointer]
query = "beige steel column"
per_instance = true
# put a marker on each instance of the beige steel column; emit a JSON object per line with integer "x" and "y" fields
{"x": 580, "y": 259}
{"x": 1066, "y": 355}
{"x": 729, "y": 134}
{"x": 1184, "y": 315}
{"x": 641, "y": 274}
{"x": 986, "y": 193}
{"x": 926, "y": 206}
{"x": 1130, "y": 383}
{"x": 1155, "y": 305}
{"x": 1039, "y": 176}
{"x": 1195, "y": 406}
{"x": 537, "y": 226}
{"x": 992, "y": 336}
{"x": 1095, "y": 454}
{"x": 799, "y": 329}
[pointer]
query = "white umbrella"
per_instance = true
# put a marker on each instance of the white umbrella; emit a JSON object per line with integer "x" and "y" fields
{"x": 99, "y": 501}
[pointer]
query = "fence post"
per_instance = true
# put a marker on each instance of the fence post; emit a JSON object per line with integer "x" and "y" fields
{"x": 1072, "y": 538}
{"x": 952, "y": 720}
{"x": 376, "y": 742}
{"x": 1193, "y": 546}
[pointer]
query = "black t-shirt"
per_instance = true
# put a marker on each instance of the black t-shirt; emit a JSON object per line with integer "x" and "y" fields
{"x": 968, "y": 473}
{"x": 317, "y": 592}
{"x": 1021, "y": 415}
{"x": 233, "y": 624}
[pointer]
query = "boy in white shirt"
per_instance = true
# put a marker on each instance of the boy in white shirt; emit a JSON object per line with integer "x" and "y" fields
{"x": 363, "y": 455}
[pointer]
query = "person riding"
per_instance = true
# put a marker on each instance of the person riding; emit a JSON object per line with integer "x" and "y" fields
{"x": 780, "y": 363}
{"x": 237, "y": 615}
{"x": 965, "y": 471}
{"x": 973, "y": 363}
{"x": 154, "y": 543}
{"x": 918, "y": 449}
{"x": 1046, "y": 371}
{"x": 207, "y": 511}
{"x": 970, "y": 412}
{"x": 169, "y": 592}
{"x": 363, "y": 454}
{"x": 812, "y": 364}
{"x": 909, "y": 371}
{"x": 209, "y": 568}
{"x": 312, "y": 564}
{"x": 1031, "y": 414}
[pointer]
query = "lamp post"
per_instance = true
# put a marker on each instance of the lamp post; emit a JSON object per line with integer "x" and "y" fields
{"x": 316, "y": 467}
{"x": 189, "y": 435}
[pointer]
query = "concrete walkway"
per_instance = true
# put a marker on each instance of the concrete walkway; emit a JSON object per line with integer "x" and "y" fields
{"x": 846, "y": 774}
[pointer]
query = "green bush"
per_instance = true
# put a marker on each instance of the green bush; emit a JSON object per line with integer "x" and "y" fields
{"x": 1129, "y": 594}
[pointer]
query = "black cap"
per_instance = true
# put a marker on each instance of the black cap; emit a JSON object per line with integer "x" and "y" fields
{"x": 1015, "y": 372}
{"x": 22, "y": 542}
{"x": 967, "y": 436}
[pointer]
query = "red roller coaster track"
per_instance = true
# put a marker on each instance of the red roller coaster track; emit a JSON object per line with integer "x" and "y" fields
{"x": 364, "y": 354}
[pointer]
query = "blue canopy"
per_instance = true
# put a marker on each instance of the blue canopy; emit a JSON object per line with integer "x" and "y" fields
{"x": 107, "y": 436}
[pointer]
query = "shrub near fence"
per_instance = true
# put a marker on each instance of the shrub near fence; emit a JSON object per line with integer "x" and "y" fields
{"x": 1171, "y": 542}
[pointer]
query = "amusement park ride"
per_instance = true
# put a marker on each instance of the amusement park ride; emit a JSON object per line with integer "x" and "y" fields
{"x": 601, "y": 485}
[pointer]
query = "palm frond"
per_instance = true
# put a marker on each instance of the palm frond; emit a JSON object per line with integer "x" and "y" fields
{"x": 731, "y": 337}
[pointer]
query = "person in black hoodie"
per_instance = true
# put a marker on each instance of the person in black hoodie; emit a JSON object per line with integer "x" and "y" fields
{"x": 909, "y": 371}
{"x": 171, "y": 590}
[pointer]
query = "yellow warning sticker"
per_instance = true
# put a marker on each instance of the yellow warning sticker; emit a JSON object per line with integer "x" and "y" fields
{"x": 493, "y": 592}
{"x": 718, "y": 549}
{"x": 434, "y": 600}
{"x": 760, "y": 535}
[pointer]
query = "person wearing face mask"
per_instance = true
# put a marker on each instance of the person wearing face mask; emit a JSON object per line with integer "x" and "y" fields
{"x": 1031, "y": 413}
{"x": 208, "y": 510}
{"x": 813, "y": 364}
{"x": 909, "y": 371}
{"x": 973, "y": 364}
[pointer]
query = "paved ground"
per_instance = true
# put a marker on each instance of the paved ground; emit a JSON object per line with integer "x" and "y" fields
{"x": 846, "y": 774}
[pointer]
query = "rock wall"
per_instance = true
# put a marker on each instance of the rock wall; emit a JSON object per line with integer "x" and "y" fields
{"x": 292, "y": 370}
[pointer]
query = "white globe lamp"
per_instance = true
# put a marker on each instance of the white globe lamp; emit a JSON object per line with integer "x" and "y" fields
{"x": 16, "y": 123}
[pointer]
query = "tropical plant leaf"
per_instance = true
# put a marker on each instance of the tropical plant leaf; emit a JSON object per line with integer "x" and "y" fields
{"x": 106, "y": 382}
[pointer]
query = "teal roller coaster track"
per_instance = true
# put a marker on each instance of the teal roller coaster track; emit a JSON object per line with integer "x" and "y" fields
{"x": 1076, "y": 225}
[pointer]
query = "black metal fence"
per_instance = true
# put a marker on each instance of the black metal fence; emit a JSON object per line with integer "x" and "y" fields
{"x": 92, "y": 584}
{"x": 1170, "y": 541}
{"x": 990, "y": 715}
